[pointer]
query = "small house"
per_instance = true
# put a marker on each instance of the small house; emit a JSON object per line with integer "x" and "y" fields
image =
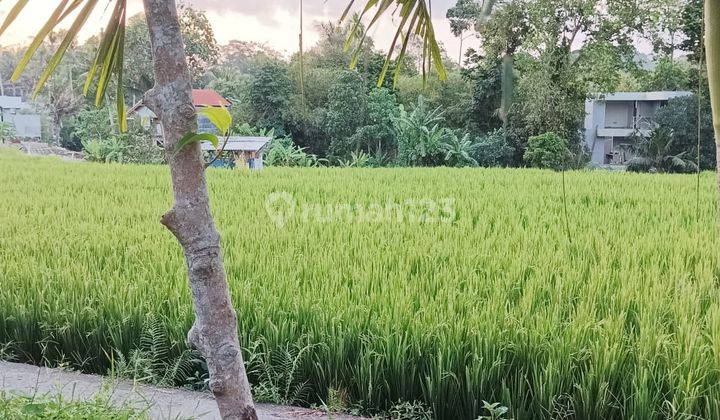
{"x": 18, "y": 114}
{"x": 614, "y": 121}
{"x": 245, "y": 152}
{"x": 202, "y": 98}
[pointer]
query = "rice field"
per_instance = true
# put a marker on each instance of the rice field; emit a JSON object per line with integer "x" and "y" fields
{"x": 445, "y": 286}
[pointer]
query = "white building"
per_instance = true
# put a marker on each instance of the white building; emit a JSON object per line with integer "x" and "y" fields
{"x": 18, "y": 114}
{"x": 613, "y": 120}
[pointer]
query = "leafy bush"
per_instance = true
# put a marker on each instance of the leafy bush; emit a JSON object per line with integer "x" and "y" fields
{"x": 493, "y": 149}
{"x": 346, "y": 112}
{"x": 268, "y": 95}
{"x": 135, "y": 146}
{"x": 639, "y": 164}
{"x": 420, "y": 136}
{"x": 283, "y": 152}
{"x": 377, "y": 136}
{"x": 679, "y": 117}
{"x": 547, "y": 151}
{"x": 459, "y": 150}
{"x": 357, "y": 160}
{"x": 101, "y": 406}
{"x": 657, "y": 150}
{"x": 91, "y": 124}
{"x": 7, "y": 132}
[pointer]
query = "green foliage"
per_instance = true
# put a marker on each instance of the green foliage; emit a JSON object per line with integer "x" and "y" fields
{"x": 463, "y": 16}
{"x": 548, "y": 151}
{"x": 134, "y": 146}
{"x": 420, "y": 136}
{"x": 493, "y": 149}
{"x": 496, "y": 411}
{"x": 283, "y": 152}
{"x": 667, "y": 75}
{"x": 7, "y": 132}
{"x": 549, "y": 98}
{"x": 357, "y": 160}
{"x": 692, "y": 28}
{"x": 459, "y": 150}
{"x": 201, "y": 49}
{"x": 58, "y": 408}
{"x": 347, "y": 111}
{"x": 152, "y": 361}
{"x": 639, "y": 165}
{"x": 268, "y": 96}
{"x": 377, "y": 135}
{"x": 405, "y": 410}
{"x": 92, "y": 124}
{"x": 679, "y": 117}
{"x": 276, "y": 371}
{"x": 557, "y": 322}
{"x": 486, "y": 88}
{"x": 453, "y": 96}
{"x": 657, "y": 149}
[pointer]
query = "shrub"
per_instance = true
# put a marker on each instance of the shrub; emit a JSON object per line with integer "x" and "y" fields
{"x": 420, "y": 136}
{"x": 378, "y": 134}
{"x": 493, "y": 149}
{"x": 135, "y": 146}
{"x": 459, "y": 150}
{"x": 639, "y": 164}
{"x": 680, "y": 118}
{"x": 547, "y": 151}
{"x": 657, "y": 149}
{"x": 346, "y": 112}
{"x": 283, "y": 152}
{"x": 7, "y": 132}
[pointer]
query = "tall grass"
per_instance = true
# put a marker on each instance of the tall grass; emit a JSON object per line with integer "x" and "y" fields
{"x": 495, "y": 306}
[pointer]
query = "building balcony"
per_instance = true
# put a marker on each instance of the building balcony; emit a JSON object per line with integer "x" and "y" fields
{"x": 621, "y": 132}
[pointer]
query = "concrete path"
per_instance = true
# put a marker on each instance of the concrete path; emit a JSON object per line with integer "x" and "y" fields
{"x": 35, "y": 148}
{"x": 163, "y": 403}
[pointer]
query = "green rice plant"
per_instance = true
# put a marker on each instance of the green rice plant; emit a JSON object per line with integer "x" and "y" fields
{"x": 491, "y": 304}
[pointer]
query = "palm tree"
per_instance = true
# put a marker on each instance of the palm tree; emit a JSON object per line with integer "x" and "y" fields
{"x": 214, "y": 331}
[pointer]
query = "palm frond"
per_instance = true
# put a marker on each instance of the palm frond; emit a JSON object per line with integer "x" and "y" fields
{"x": 414, "y": 21}
{"x": 109, "y": 57}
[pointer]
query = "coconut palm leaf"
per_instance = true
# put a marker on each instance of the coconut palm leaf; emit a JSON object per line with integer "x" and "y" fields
{"x": 109, "y": 57}
{"x": 414, "y": 21}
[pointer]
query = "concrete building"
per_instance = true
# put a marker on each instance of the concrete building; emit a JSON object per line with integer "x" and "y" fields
{"x": 19, "y": 115}
{"x": 612, "y": 122}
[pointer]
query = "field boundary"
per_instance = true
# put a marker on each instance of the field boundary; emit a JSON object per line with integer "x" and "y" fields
{"x": 160, "y": 403}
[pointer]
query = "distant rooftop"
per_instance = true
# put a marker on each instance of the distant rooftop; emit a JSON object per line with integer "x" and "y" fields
{"x": 208, "y": 97}
{"x": 240, "y": 144}
{"x": 640, "y": 96}
{"x": 200, "y": 97}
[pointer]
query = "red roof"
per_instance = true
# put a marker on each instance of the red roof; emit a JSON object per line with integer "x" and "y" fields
{"x": 208, "y": 97}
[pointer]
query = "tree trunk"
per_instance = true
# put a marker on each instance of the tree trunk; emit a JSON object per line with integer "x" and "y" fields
{"x": 712, "y": 56}
{"x": 214, "y": 332}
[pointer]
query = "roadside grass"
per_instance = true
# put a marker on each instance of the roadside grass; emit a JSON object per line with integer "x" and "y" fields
{"x": 22, "y": 407}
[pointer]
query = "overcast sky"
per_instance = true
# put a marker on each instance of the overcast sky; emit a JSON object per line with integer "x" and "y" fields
{"x": 274, "y": 22}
